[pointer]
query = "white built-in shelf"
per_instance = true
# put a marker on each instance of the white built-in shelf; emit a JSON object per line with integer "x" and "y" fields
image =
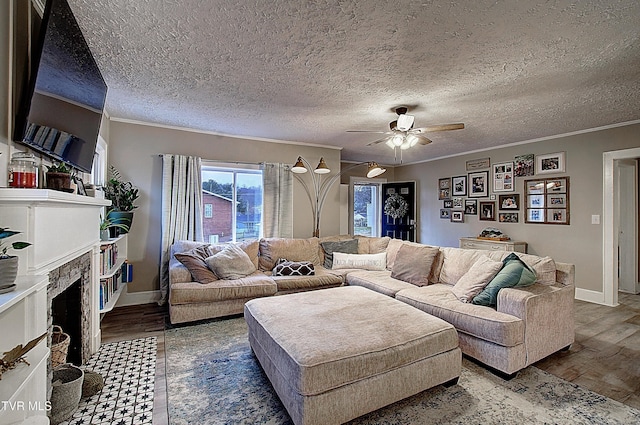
{"x": 37, "y": 196}
{"x": 121, "y": 243}
{"x": 15, "y": 380}
{"x": 25, "y": 286}
{"x": 114, "y": 299}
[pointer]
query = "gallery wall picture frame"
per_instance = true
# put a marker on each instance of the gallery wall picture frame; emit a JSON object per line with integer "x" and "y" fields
{"x": 509, "y": 202}
{"x": 477, "y": 164}
{"x": 547, "y": 201}
{"x": 459, "y": 186}
{"x": 487, "y": 211}
{"x": 471, "y": 207}
{"x": 479, "y": 184}
{"x": 457, "y": 203}
{"x": 448, "y": 203}
{"x": 508, "y": 217}
{"x": 445, "y": 214}
{"x": 524, "y": 165}
{"x": 444, "y": 188}
{"x": 457, "y": 216}
{"x": 503, "y": 180}
{"x": 550, "y": 163}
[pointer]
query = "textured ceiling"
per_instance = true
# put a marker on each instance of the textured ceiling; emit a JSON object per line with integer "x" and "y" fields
{"x": 307, "y": 71}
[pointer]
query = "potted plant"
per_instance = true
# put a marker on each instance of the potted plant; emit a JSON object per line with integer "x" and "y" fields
{"x": 9, "y": 263}
{"x": 122, "y": 195}
{"x": 58, "y": 177}
{"x": 106, "y": 224}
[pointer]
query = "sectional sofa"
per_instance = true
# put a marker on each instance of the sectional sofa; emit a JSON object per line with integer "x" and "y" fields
{"x": 525, "y": 325}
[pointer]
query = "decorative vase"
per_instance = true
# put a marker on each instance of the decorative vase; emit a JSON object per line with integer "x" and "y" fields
{"x": 8, "y": 270}
{"x": 104, "y": 234}
{"x": 120, "y": 217}
{"x": 59, "y": 181}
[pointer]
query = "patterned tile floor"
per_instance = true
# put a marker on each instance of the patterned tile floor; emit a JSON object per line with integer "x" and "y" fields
{"x": 128, "y": 369}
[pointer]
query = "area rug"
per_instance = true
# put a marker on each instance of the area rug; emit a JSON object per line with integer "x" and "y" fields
{"x": 128, "y": 369}
{"x": 213, "y": 378}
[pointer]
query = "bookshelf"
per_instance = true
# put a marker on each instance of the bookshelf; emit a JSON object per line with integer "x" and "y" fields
{"x": 115, "y": 272}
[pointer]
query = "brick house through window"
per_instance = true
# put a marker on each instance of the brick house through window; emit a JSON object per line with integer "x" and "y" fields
{"x": 220, "y": 221}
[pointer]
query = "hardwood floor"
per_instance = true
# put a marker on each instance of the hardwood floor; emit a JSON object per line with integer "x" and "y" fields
{"x": 605, "y": 357}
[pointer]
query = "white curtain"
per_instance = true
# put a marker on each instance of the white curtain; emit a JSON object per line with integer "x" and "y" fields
{"x": 277, "y": 201}
{"x": 181, "y": 208}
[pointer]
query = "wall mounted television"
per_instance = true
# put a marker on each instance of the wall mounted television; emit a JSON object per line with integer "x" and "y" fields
{"x": 61, "y": 105}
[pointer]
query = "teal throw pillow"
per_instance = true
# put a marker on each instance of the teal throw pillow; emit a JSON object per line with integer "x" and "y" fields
{"x": 514, "y": 273}
{"x": 349, "y": 246}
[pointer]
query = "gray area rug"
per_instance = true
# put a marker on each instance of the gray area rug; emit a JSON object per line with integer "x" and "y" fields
{"x": 213, "y": 378}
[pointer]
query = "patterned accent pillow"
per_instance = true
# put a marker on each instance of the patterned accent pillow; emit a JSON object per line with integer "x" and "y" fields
{"x": 285, "y": 267}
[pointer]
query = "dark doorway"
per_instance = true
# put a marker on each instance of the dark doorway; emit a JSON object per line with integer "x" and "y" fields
{"x": 399, "y": 210}
{"x": 66, "y": 311}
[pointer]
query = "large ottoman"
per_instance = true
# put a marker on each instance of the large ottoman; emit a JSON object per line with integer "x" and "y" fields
{"x": 335, "y": 354}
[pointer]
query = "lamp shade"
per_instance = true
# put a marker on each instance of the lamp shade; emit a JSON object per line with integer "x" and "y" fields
{"x": 374, "y": 170}
{"x": 322, "y": 167}
{"x": 299, "y": 167}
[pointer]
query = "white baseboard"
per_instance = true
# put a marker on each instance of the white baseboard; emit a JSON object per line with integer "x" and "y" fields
{"x": 590, "y": 296}
{"x": 137, "y": 298}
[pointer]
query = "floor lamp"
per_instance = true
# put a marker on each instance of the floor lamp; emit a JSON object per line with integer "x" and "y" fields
{"x": 319, "y": 187}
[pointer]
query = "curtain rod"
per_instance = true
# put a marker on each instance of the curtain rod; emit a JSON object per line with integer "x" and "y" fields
{"x": 224, "y": 162}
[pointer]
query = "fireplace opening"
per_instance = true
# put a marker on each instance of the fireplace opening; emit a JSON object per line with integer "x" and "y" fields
{"x": 66, "y": 312}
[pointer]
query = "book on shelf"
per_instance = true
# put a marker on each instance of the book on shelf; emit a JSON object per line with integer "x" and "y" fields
{"x": 127, "y": 272}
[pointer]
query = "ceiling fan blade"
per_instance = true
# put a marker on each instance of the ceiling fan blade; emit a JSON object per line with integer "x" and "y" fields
{"x": 443, "y": 127}
{"x": 375, "y": 142}
{"x": 422, "y": 140}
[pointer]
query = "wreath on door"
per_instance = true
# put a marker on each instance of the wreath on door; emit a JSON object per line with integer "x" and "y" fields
{"x": 395, "y": 206}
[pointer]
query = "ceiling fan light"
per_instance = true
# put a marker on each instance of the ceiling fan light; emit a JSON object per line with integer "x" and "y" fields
{"x": 412, "y": 140}
{"x": 322, "y": 167}
{"x": 389, "y": 143}
{"x": 374, "y": 170}
{"x": 398, "y": 140}
{"x": 299, "y": 167}
{"x": 406, "y": 145}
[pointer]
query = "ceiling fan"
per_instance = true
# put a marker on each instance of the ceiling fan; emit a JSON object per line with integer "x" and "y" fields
{"x": 402, "y": 134}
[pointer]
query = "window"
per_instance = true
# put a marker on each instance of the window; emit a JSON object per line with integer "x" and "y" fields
{"x": 366, "y": 208}
{"x": 208, "y": 210}
{"x": 232, "y": 203}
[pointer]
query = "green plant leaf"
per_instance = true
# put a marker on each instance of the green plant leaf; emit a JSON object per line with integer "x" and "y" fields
{"x": 20, "y": 245}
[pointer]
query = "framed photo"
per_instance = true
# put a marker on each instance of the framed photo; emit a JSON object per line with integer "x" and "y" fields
{"x": 459, "y": 185}
{"x": 81, "y": 189}
{"x": 535, "y": 215}
{"x": 445, "y": 213}
{"x": 510, "y": 217}
{"x": 523, "y": 165}
{"x": 471, "y": 207}
{"x": 479, "y": 184}
{"x": 444, "y": 188}
{"x": 503, "y": 177}
{"x": 477, "y": 164}
{"x": 457, "y": 216}
{"x": 457, "y": 203}
{"x": 509, "y": 202}
{"x": 550, "y": 163}
{"x": 448, "y": 203}
{"x": 488, "y": 210}
{"x": 547, "y": 201}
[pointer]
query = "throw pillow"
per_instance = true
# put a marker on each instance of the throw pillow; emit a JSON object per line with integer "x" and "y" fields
{"x": 293, "y": 268}
{"x": 231, "y": 263}
{"x": 413, "y": 263}
{"x": 359, "y": 261}
{"x": 195, "y": 261}
{"x": 348, "y": 247}
{"x": 514, "y": 273}
{"x": 393, "y": 247}
{"x": 475, "y": 280}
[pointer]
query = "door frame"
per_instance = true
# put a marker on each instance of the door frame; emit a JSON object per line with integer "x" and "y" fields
{"x": 628, "y": 177}
{"x": 352, "y": 181}
{"x": 610, "y": 226}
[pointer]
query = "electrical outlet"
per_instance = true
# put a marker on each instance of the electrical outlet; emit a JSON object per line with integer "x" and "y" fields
{"x": 595, "y": 219}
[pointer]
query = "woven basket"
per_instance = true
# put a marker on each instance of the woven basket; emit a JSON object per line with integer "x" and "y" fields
{"x": 59, "y": 346}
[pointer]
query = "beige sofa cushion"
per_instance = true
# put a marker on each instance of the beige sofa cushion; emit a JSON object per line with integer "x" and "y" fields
{"x": 458, "y": 261}
{"x": 392, "y": 250}
{"x": 252, "y": 286}
{"x": 272, "y": 249}
{"x": 231, "y": 263}
{"x": 321, "y": 279}
{"x": 372, "y": 245}
{"x": 195, "y": 260}
{"x": 413, "y": 263}
{"x": 378, "y": 281}
{"x": 474, "y": 281}
{"x": 479, "y": 321}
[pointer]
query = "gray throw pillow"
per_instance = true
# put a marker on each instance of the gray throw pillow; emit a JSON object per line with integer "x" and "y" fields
{"x": 349, "y": 246}
{"x": 231, "y": 263}
{"x": 413, "y": 263}
{"x": 195, "y": 261}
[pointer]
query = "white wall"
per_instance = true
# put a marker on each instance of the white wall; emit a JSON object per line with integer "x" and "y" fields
{"x": 580, "y": 243}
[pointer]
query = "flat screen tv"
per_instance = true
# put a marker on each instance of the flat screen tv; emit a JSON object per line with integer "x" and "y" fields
{"x": 61, "y": 107}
